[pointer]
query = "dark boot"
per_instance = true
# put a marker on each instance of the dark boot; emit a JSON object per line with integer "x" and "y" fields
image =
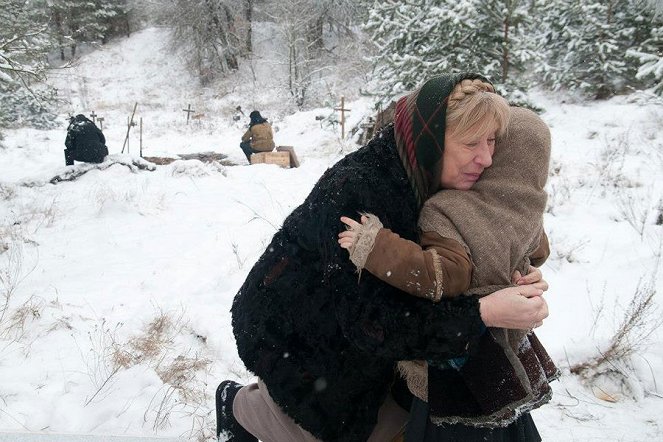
{"x": 227, "y": 428}
{"x": 68, "y": 157}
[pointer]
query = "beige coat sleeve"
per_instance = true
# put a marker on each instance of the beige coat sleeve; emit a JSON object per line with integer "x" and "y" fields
{"x": 437, "y": 268}
{"x": 247, "y": 135}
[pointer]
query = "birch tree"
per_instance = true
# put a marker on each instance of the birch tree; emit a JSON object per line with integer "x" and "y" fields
{"x": 205, "y": 33}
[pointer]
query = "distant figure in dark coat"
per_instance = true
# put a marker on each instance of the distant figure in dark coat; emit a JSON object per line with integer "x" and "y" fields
{"x": 84, "y": 142}
{"x": 258, "y": 137}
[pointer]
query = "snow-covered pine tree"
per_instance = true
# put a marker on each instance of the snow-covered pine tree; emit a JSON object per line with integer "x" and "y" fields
{"x": 24, "y": 45}
{"x": 112, "y": 18}
{"x": 417, "y": 40}
{"x": 649, "y": 53}
{"x": 585, "y": 44}
{"x": 98, "y": 20}
{"x": 651, "y": 59}
{"x": 656, "y": 6}
{"x": 502, "y": 39}
{"x": 87, "y": 21}
{"x": 574, "y": 45}
{"x": 59, "y": 23}
{"x": 73, "y": 23}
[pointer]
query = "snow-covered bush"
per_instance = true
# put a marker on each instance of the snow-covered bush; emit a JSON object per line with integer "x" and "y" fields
{"x": 585, "y": 44}
{"x": 22, "y": 107}
{"x": 650, "y": 55}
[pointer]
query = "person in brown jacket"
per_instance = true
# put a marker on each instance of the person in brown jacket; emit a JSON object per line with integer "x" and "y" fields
{"x": 258, "y": 137}
{"x": 472, "y": 242}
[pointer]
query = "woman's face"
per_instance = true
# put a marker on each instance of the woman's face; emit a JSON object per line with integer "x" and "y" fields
{"x": 465, "y": 160}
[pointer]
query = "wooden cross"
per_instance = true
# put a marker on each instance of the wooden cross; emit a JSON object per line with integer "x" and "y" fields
{"x": 343, "y": 111}
{"x": 94, "y": 117}
{"x": 101, "y": 123}
{"x": 188, "y": 111}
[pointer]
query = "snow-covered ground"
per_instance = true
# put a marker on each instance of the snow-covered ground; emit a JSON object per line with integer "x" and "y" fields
{"x": 118, "y": 285}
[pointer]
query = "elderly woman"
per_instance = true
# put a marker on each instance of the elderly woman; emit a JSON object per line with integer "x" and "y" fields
{"x": 323, "y": 344}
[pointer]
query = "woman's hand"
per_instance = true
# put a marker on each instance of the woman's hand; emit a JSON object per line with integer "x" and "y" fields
{"x": 348, "y": 238}
{"x": 520, "y": 307}
{"x": 534, "y": 277}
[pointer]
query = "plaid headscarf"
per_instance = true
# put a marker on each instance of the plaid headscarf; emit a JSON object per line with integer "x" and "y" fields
{"x": 419, "y": 127}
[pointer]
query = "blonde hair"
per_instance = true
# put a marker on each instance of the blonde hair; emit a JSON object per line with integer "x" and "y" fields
{"x": 474, "y": 108}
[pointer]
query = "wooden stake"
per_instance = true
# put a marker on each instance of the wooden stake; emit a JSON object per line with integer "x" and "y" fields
{"x": 343, "y": 111}
{"x": 129, "y": 124}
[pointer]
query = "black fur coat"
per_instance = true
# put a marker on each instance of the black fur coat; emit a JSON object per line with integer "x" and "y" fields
{"x": 323, "y": 341}
{"x": 85, "y": 142}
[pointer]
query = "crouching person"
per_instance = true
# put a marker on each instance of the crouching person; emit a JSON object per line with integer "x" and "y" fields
{"x": 84, "y": 142}
{"x": 258, "y": 137}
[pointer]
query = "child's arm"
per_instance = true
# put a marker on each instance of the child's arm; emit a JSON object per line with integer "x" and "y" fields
{"x": 439, "y": 267}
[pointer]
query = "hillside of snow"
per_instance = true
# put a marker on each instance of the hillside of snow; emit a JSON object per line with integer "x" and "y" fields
{"x": 117, "y": 285}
